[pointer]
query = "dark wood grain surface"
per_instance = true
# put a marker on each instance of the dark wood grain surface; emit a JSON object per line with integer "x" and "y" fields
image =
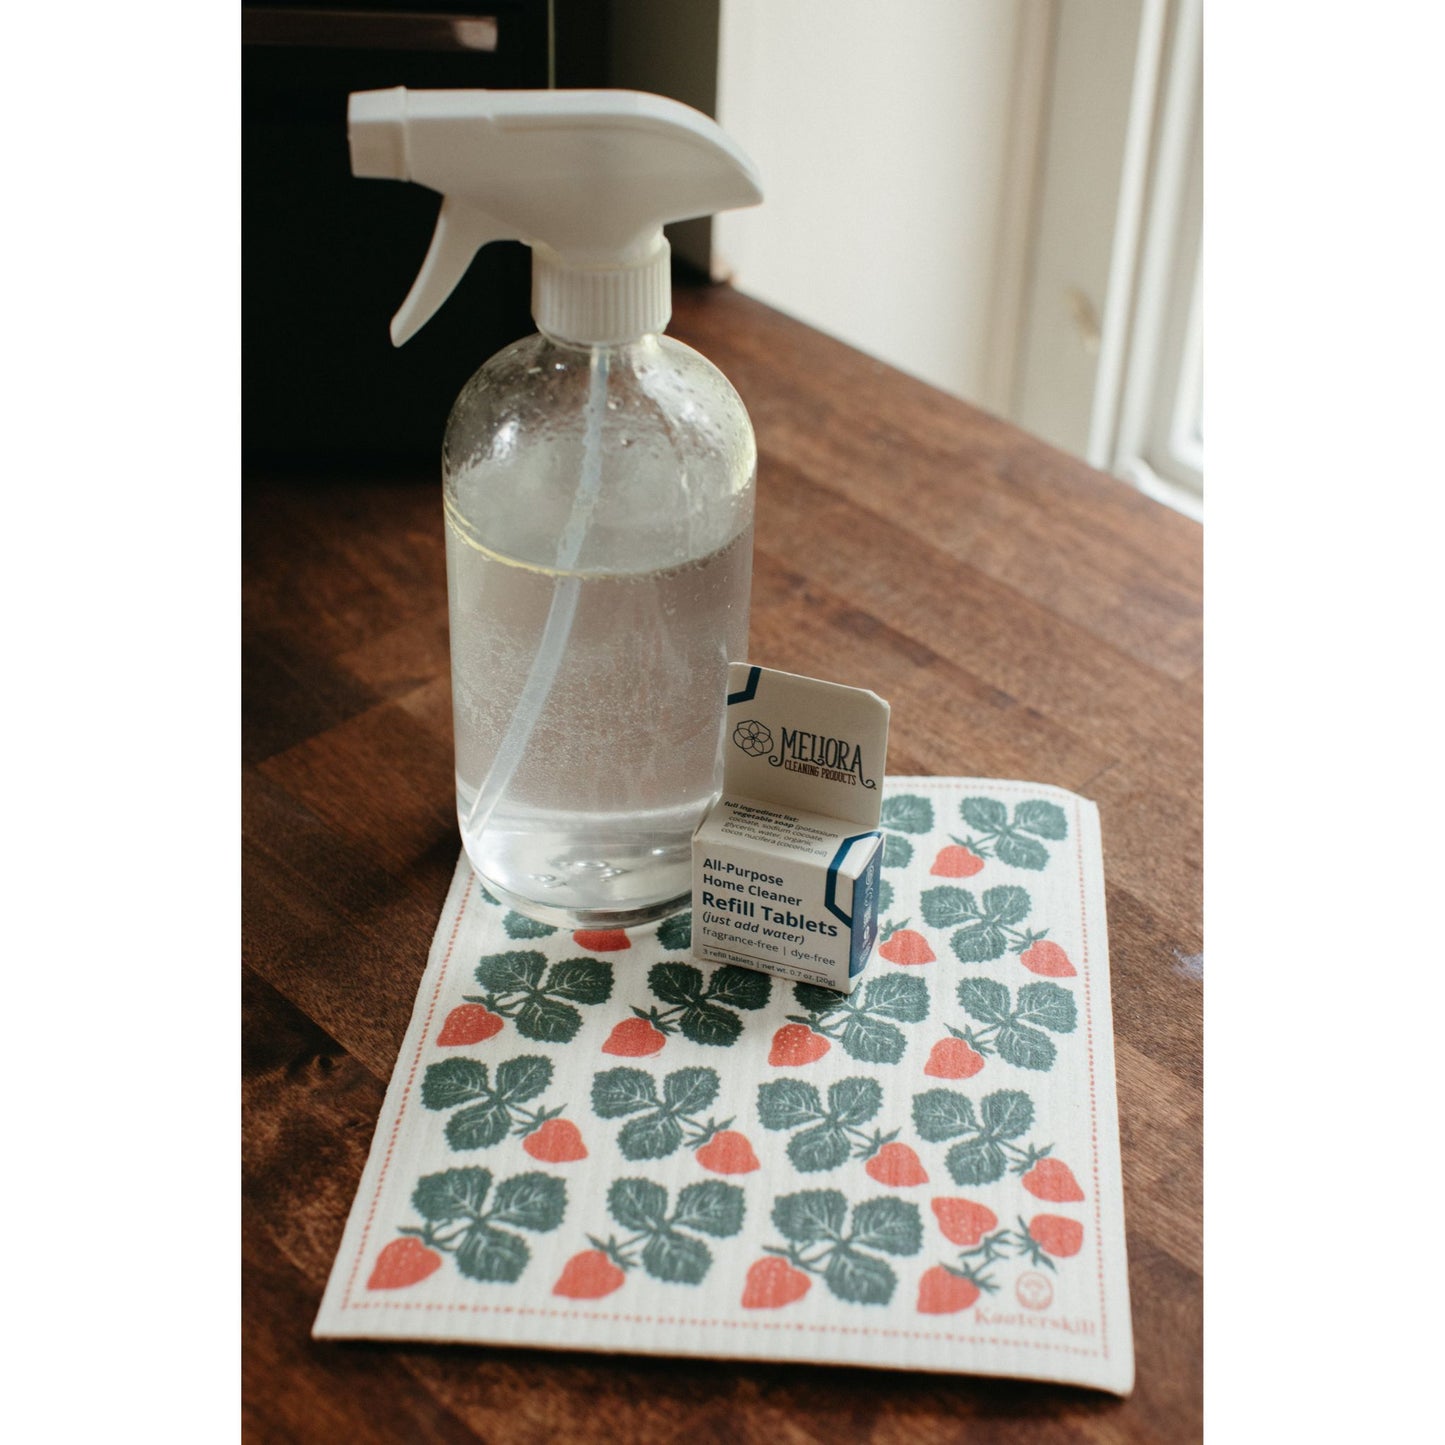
{"x": 1026, "y": 617}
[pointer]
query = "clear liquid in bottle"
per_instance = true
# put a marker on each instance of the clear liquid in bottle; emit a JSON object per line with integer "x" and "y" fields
{"x": 593, "y": 822}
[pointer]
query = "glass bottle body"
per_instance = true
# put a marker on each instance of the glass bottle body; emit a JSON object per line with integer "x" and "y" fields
{"x": 599, "y": 506}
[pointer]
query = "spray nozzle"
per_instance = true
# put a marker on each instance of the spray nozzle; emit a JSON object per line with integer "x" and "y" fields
{"x": 587, "y": 178}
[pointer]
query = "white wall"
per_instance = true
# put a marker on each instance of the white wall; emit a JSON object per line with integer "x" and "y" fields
{"x": 1089, "y": 205}
{"x": 1110, "y": 358}
{"x": 896, "y": 179}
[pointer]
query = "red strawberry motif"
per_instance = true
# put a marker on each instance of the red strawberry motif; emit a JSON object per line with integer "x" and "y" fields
{"x": 1053, "y": 1180}
{"x": 1047, "y": 958}
{"x": 403, "y": 1262}
{"x": 633, "y": 1038}
{"x": 941, "y": 1292}
{"x": 902, "y": 944}
{"x": 601, "y": 940}
{"x": 773, "y": 1283}
{"x": 953, "y": 1059}
{"x": 470, "y": 1023}
{"x": 962, "y": 1221}
{"x": 589, "y": 1275}
{"x": 728, "y": 1152}
{"x": 898, "y": 1165}
{"x": 1056, "y": 1235}
{"x": 557, "y": 1141}
{"x": 795, "y": 1045}
{"x": 956, "y": 861}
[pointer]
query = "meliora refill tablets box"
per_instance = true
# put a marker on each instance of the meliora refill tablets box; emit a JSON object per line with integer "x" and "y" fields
{"x": 785, "y": 863}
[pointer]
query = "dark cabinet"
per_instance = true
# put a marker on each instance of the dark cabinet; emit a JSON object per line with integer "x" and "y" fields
{"x": 326, "y": 259}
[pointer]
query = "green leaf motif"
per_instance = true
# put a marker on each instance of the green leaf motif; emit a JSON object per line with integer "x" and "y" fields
{"x": 812, "y": 1215}
{"x": 885, "y": 897}
{"x": 480, "y": 1126}
{"x": 1047, "y": 820}
{"x": 897, "y": 852}
{"x": 638, "y": 1204}
{"x": 943, "y": 1114}
{"x": 511, "y": 972}
{"x": 1043, "y": 1004}
{"x": 892, "y": 1225}
{"x": 618, "y": 1092}
{"x": 989, "y": 1002}
{"x": 871, "y": 1040}
{"x": 492, "y": 1255}
{"x": 689, "y": 1091}
{"x": 854, "y": 1101}
{"x": 948, "y": 907}
{"x": 676, "y": 1258}
{"x": 654, "y": 1136}
{"x": 712, "y": 1206}
{"x": 523, "y": 1078}
{"x": 1049, "y": 1006}
{"x": 1006, "y": 905}
{"x": 824, "y": 1146}
{"x": 897, "y": 996}
{"x": 978, "y": 943}
{"x": 790, "y": 1103}
{"x": 815, "y": 999}
{"x": 531, "y": 1201}
{"x": 678, "y": 983}
{"x": 675, "y": 932}
{"x": 453, "y": 1082}
{"x": 908, "y": 813}
{"x": 986, "y": 814}
{"x": 705, "y": 1023}
{"x": 546, "y": 1021}
{"x": 1007, "y": 1113}
{"x": 1020, "y": 852}
{"x": 1042, "y": 819}
{"x": 740, "y": 987}
{"x": 452, "y": 1194}
{"x": 859, "y": 1278}
{"x": 518, "y": 925}
{"x": 488, "y": 1120}
{"x": 1025, "y": 1048}
{"x": 583, "y": 980}
{"x": 787, "y": 1103}
{"x": 976, "y": 1161}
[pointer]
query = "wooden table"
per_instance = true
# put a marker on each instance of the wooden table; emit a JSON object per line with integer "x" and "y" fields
{"x": 1026, "y": 616}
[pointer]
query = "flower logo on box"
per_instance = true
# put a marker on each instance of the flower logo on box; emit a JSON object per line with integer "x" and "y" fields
{"x": 753, "y": 738}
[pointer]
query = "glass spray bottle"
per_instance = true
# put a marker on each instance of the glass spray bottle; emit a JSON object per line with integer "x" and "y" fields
{"x": 598, "y": 490}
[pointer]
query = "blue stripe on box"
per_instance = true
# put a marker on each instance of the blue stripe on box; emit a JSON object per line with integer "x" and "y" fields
{"x": 750, "y": 688}
{"x": 863, "y": 937}
{"x": 830, "y": 892}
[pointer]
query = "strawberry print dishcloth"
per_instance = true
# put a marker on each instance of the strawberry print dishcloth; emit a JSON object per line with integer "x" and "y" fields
{"x": 592, "y": 1142}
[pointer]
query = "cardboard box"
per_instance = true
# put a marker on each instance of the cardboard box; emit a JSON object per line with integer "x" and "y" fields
{"x": 785, "y": 863}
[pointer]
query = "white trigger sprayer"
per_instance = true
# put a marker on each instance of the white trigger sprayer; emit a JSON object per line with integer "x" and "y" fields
{"x": 598, "y": 488}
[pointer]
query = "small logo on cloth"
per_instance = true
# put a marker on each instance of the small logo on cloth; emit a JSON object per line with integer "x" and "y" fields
{"x": 1034, "y": 1291}
{"x": 752, "y": 737}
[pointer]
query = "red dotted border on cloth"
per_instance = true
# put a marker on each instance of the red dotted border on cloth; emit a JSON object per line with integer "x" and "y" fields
{"x": 1009, "y": 1343}
{"x": 1093, "y": 1096}
{"x": 797, "y": 1325}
